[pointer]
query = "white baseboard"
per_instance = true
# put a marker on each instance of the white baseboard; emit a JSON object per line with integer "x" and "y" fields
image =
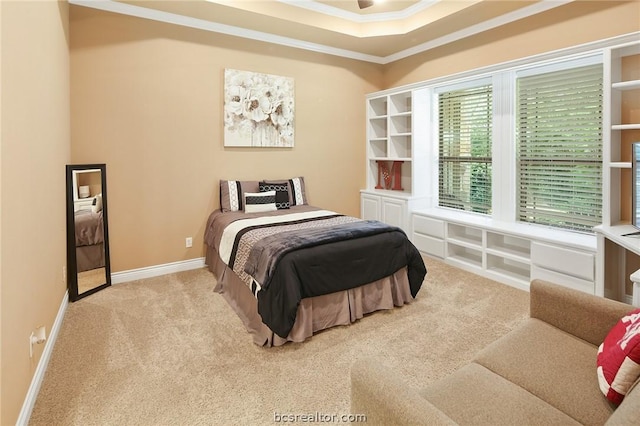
{"x": 157, "y": 270}
{"x": 38, "y": 376}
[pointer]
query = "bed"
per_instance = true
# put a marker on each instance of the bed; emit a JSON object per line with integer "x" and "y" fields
{"x": 290, "y": 269}
{"x": 89, "y": 239}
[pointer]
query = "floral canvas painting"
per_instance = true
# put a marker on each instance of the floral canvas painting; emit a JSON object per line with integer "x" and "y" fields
{"x": 258, "y": 109}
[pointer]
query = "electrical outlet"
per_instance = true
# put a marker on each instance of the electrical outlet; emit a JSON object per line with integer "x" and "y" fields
{"x": 37, "y": 337}
{"x": 188, "y": 242}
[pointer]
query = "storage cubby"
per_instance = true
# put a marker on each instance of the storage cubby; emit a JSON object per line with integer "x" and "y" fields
{"x": 378, "y": 107}
{"x": 400, "y": 103}
{"x": 400, "y": 147}
{"x": 378, "y": 148}
{"x": 464, "y": 235}
{"x": 514, "y": 269}
{"x": 513, "y": 255}
{"x": 400, "y": 124}
{"x": 509, "y": 246}
{"x": 405, "y": 177}
{"x": 377, "y": 128}
{"x": 464, "y": 254}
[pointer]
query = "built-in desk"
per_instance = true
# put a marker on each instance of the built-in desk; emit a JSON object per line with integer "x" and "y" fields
{"x": 618, "y": 260}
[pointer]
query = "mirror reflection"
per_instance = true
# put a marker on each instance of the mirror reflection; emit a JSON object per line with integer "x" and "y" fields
{"x": 87, "y": 241}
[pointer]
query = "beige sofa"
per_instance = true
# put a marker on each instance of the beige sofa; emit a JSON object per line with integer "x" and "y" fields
{"x": 543, "y": 372}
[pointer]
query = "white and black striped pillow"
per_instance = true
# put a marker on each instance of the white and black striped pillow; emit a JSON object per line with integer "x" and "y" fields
{"x": 232, "y": 193}
{"x": 260, "y": 202}
{"x": 282, "y": 192}
{"x": 297, "y": 192}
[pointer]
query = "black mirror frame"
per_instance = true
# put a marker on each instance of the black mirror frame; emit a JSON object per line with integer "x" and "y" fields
{"x": 72, "y": 274}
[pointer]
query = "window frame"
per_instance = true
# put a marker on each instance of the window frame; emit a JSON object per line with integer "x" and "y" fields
{"x": 459, "y": 86}
{"x": 504, "y": 150}
{"x": 560, "y": 67}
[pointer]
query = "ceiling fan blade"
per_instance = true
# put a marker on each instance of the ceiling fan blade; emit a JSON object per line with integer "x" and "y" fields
{"x": 364, "y": 3}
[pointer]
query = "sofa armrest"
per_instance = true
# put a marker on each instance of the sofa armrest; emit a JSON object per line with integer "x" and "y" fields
{"x": 384, "y": 399}
{"x": 578, "y": 313}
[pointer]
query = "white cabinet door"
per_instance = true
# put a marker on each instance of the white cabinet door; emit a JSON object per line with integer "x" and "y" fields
{"x": 393, "y": 212}
{"x": 370, "y": 207}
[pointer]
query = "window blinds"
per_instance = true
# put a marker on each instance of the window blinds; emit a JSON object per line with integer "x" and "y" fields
{"x": 559, "y": 152}
{"x": 465, "y": 121}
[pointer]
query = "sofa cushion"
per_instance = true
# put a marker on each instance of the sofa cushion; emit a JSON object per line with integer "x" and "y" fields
{"x": 466, "y": 394}
{"x": 619, "y": 358}
{"x": 553, "y": 365}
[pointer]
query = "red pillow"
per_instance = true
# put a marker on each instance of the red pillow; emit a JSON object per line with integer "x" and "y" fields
{"x": 619, "y": 358}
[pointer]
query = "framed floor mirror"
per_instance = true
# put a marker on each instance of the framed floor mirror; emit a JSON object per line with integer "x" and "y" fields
{"x": 88, "y": 265}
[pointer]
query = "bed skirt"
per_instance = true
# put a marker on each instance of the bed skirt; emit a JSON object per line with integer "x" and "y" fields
{"x": 89, "y": 257}
{"x": 314, "y": 313}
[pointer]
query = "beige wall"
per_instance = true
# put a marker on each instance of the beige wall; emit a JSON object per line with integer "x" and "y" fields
{"x": 146, "y": 99}
{"x": 35, "y": 138}
{"x": 569, "y": 25}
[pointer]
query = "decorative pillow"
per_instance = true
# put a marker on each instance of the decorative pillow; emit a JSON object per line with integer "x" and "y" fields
{"x": 232, "y": 193}
{"x": 619, "y": 358}
{"x": 297, "y": 193}
{"x": 96, "y": 204}
{"x": 260, "y": 202}
{"x": 282, "y": 192}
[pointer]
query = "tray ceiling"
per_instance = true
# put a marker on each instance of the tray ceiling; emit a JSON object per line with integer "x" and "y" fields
{"x": 381, "y": 33}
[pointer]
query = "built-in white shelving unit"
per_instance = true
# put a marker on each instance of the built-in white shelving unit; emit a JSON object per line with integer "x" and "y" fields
{"x": 391, "y": 135}
{"x": 621, "y": 128}
{"x": 398, "y": 129}
{"x": 506, "y": 252}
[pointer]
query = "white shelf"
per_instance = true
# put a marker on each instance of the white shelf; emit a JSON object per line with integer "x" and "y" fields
{"x": 464, "y": 234}
{"x": 391, "y": 130}
{"x": 401, "y": 114}
{"x": 465, "y": 256}
{"x": 465, "y": 242}
{"x": 515, "y": 255}
{"x": 377, "y": 107}
{"x": 400, "y": 103}
{"x": 519, "y": 271}
{"x": 502, "y": 251}
{"x": 621, "y": 84}
{"x": 406, "y": 160}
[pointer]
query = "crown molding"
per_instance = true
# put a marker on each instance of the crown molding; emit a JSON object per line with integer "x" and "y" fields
{"x": 507, "y": 18}
{"x": 573, "y": 52}
{"x": 201, "y": 24}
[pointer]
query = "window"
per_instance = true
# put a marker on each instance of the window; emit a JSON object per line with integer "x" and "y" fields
{"x": 559, "y": 148}
{"x": 464, "y": 160}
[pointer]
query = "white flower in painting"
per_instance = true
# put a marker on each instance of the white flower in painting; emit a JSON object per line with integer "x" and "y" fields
{"x": 257, "y": 104}
{"x": 260, "y": 102}
{"x": 233, "y": 102}
{"x": 282, "y": 114}
{"x": 234, "y": 95}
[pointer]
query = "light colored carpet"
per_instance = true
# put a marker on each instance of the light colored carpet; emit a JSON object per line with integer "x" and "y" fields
{"x": 170, "y": 351}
